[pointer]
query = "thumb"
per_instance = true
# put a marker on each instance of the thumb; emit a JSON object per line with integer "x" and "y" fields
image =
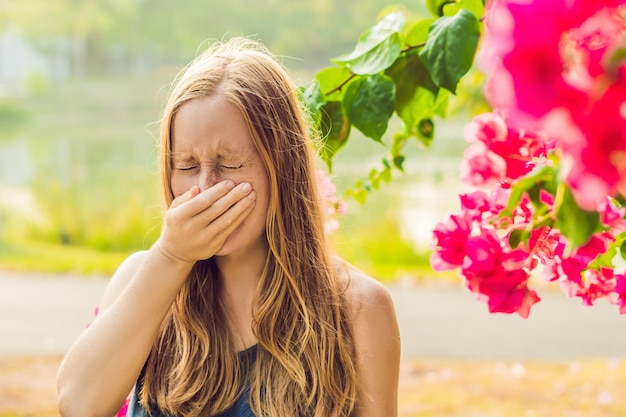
{"x": 186, "y": 196}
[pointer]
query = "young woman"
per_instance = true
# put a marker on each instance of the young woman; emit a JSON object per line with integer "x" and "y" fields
{"x": 238, "y": 309}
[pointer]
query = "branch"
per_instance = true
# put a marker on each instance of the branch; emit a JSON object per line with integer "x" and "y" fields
{"x": 411, "y": 47}
{"x": 340, "y": 86}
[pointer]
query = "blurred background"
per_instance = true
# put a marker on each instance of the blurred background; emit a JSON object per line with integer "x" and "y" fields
{"x": 82, "y": 83}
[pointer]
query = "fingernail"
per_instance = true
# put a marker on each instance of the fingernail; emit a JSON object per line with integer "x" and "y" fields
{"x": 229, "y": 184}
{"x": 246, "y": 187}
{"x": 252, "y": 195}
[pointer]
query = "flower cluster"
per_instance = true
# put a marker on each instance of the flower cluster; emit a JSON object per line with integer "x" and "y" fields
{"x": 498, "y": 241}
{"x": 559, "y": 67}
{"x": 550, "y": 161}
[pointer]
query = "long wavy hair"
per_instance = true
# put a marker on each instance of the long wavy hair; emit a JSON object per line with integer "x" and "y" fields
{"x": 305, "y": 362}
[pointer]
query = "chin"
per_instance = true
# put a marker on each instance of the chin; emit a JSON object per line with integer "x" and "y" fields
{"x": 239, "y": 244}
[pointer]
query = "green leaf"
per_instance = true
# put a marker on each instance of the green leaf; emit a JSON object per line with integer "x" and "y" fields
{"x": 436, "y": 6}
{"x": 576, "y": 224}
{"x": 330, "y": 78}
{"x": 441, "y": 103}
{"x": 541, "y": 177}
{"x": 415, "y": 91}
{"x": 360, "y": 195}
{"x": 374, "y": 178}
{"x": 313, "y": 99}
{"x": 398, "y": 161}
{"x": 369, "y": 102}
{"x": 475, "y": 6}
{"x": 377, "y": 48}
{"x": 335, "y": 129}
{"x": 604, "y": 260}
{"x": 375, "y": 60}
{"x": 517, "y": 237}
{"x": 418, "y": 33}
{"x": 449, "y": 51}
{"x": 386, "y": 174}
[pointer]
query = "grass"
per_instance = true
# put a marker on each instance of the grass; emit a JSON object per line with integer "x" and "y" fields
{"x": 439, "y": 388}
{"x": 55, "y": 258}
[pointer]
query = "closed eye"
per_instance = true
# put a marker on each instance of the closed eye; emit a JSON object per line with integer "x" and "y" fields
{"x": 187, "y": 168}
{"x": 231, "y": 166}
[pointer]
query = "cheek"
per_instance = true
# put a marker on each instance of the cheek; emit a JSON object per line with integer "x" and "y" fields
{"x": 181, "y": 183}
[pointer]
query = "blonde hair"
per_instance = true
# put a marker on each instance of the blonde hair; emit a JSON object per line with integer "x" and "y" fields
{"x": 305, "y": 356}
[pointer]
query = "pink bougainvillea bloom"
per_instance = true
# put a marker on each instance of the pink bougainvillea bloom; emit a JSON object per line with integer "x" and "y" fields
{"x": 521, "y": 150}
{"x": 592, "y": 40}
{"x": 342, "y": 208}
{"x": 483, "y": 254}
{"x": 486, "y": 128}
{"x": 537, "y": 79}
{"x": 612, "y": 215}
{"x": 620, "y": 292}
{"x": 481, "y": 167}
{"x": 450, "y": 241}
{"x": 325, "y": 185}
{"x": 594, "y": 285}
{"x": 333, "y": 207}
{"x": 477, "y": 204}
{"x": 557, "y": 83}
{"x": 595, "y": 163}
{"x": 514, "y": 300}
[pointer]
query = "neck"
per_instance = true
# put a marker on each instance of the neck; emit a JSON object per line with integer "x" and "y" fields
{"x": 240, "y": 275}
{"x": 242, "y": 270}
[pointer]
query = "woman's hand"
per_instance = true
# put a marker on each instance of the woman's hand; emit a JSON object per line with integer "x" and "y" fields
{"x": 197, "y": 224}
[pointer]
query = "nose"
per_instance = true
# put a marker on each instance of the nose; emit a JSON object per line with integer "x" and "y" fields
{"x": 207, "y": 178}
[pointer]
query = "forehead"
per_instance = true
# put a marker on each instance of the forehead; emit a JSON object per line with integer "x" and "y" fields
{"x": 210, "y": 125}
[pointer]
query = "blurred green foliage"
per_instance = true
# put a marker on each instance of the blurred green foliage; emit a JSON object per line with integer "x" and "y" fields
{"x": 85, "y": 147}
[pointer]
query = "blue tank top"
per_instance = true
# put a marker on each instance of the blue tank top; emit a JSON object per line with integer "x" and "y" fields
{"x": 240, "y": 408}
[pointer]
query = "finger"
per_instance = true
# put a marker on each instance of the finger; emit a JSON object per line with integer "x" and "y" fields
{"x": 220, "y": 206}
{"x": 205, "y": 199}
{"x": 186, "y": 196}
{"x": 225, "y": 224}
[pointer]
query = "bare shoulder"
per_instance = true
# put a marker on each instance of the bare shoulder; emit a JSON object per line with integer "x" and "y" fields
{"x": 366, "y": 295}
{"x": 121, "y": 278}
{"x": 377, "y": 343}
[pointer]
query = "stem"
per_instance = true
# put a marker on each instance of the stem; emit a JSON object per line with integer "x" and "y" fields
{"x": 340, "y": 86}
{"x": 411, "y": 47}
{"x": 558, "y": 198}
{"x": 442, "y": 5}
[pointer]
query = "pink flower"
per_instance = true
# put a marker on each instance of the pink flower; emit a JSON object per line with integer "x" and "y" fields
{"x": 450, "y": 246}
{"x": 478, "y": 204}
{"x": 520, "y": 151}
{"x": 333, "y": 207}
{"x": 508, "y": 293}
{"x": 612, "y": 215}
{"x": 557, "y": 83}
{"x": 481, "y": 167}
{"x": 486, "y": 128}
{"x": 620, "y": 292}
{"x": 596, "y": 284}
{"x": 483, "y": 254}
